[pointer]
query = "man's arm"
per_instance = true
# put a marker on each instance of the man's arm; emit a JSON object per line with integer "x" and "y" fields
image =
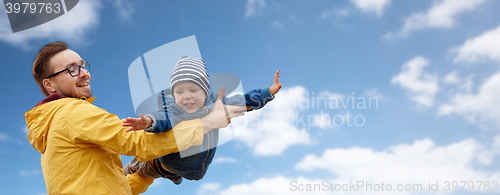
{"x": 90, "y": 124}
{"x": 221, "y": 114}
{"x": 139, "y": 184}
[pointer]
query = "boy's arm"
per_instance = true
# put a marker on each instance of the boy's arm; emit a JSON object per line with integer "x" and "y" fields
{"x": 154, "y": 122}
{"x": 257, "y": 98}
{"x": 144, "y": 122}
{"x": 157, "y": 122}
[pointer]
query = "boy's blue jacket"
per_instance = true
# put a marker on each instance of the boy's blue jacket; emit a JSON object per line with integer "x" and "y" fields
{"x": 170, "y": 114}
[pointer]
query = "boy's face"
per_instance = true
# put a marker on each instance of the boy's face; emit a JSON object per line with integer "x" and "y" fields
{"x": 189, "y": 96}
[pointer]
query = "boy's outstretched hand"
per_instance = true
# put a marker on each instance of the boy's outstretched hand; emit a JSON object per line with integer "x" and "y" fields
{"x": 276, "y": 86}
{"x": 137, "y": 124}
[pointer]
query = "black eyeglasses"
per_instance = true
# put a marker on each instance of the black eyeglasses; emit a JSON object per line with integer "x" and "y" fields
{"x": 74, "y": 70}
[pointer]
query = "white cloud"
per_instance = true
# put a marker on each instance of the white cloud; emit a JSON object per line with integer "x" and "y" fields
{"x": 418, "y": 163}
{"x": 421, "y": 86}
{"x": 483, "y": 47}
{"x": 160, "y": 183}
{"x": 331, "y": 95}
{"x": 124, "y": 8}
{"x": 442, "y": 14}
{"x": 452, "y": 78}
{"x": 278, "y": 24}
{"x": 25, "y": 129}
{"x": 254, "y": 7}
{"x": 3, "y": 137}
{"x": 224, "y": 159}
{"x": 468, "y": 84}
{"x": 206, "y": 188}
{"x": 477, "y": 108}
{"x": 330, "y": 105}
{"x": 25, "y": 173}
{"x": 71, "y": 26}
{"x": 371, "y": 6}
{"x": 375, "y": 93}
{"x": 293, "y": 18}
{"x": 274, "y": 128}
{"x": 366, "y": 6}
{"x": 496, "y": 142}
{"x": 426, "y": 158}
{"x": 275, "y": 186}
{"x": 157, "y": 183}
{"x": 337, "y": 13}
{"x": 324, "y": 120}
{"x": 460, "y": 84}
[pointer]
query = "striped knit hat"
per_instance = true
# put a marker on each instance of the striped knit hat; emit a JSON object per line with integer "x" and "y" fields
{"x": 190, "y": 69}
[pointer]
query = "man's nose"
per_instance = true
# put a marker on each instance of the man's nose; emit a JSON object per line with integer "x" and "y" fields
{"x": 84, "y": 73}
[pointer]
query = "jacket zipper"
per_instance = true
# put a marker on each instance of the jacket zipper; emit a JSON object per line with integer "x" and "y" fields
{"x": 204, "y": 161}
{"x": 208, "y": 150}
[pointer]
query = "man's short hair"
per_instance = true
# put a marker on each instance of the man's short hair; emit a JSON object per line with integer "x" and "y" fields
{"x": 41, "y": 68}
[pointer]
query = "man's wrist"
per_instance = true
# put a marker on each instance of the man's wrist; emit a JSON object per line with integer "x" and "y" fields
{"x": 207, "y": 124}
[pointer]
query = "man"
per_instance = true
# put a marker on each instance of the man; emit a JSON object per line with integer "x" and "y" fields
{"x": 81, "y": 143}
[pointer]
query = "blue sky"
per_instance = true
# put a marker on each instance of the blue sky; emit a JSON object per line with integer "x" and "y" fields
{"x": 432, "y": 67}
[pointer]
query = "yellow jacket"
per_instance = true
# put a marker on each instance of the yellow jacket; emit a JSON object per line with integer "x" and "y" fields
{"x": 81, "y": 146}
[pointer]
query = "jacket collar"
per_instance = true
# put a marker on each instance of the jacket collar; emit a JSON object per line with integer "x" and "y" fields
{"x": 51, "y": 98}
{"x": 59, "y": 96}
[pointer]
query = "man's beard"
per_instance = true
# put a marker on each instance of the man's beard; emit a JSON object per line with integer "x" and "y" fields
{"x": 76, "y": 95}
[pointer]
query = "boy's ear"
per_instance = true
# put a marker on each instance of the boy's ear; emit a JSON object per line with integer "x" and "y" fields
{"x": 48, "y": 86}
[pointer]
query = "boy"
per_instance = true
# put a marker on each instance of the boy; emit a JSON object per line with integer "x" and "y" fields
{"x": 190, "y": 88}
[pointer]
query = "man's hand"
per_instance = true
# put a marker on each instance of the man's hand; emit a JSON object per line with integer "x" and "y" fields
{"x": 221, "y": 114}
{"x": 276, "y": 86}
{"x": 137, "y": 124}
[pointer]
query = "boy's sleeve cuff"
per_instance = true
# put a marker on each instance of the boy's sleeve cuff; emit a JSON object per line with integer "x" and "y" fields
{"x": 266, "y": 94}
{"x": 153, "y": 124}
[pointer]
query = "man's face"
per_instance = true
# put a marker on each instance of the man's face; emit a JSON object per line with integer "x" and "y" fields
{"x": 64, "y": 83}
{"x": 189, "y": 96}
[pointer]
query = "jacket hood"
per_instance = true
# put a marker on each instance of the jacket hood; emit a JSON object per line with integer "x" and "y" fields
{"x": 40, "y": 118}
{"x": 51, "y": 98}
